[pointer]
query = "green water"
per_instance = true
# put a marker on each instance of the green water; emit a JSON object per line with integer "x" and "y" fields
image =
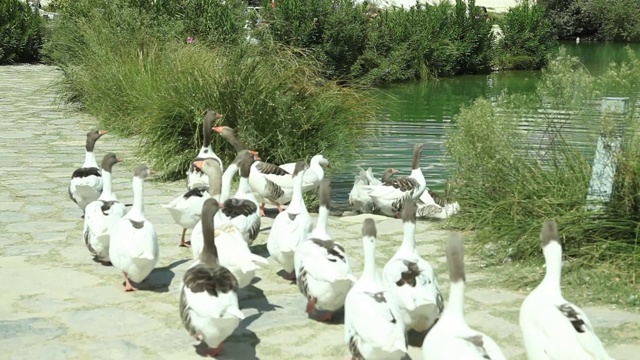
{"x": 423, "y": 112}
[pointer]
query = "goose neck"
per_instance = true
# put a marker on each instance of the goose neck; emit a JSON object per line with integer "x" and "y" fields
{"x": 297, "y": 202}
{"x": 227, "y": 179}
{"x": 369, "y": 269}
{"x": 553, "y": 263}
{"x": 244, "y": 187}
{"x": 107, "y": 187}
{"x": 89, "y": 159}
{"x": 455, "y": 306}
{"x": 321, "y": 225}
{"x": 409, "y": 238}
{"x": 137, "y": 209}
{"x": 209, "y": 252}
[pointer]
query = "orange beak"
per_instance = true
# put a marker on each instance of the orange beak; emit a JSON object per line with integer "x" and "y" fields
{"x": 394, "y": 170}
{"x": 119, "y": 159}
{"x": 255, "y": 155}
{"x": 151, "y": 172}
{"x": 199, "y": 164}
{"x": 218, "y": 116}
{"x": 329, "y": 166}
{"x": 102, "y": 132}
{"x": 217, "y": 129}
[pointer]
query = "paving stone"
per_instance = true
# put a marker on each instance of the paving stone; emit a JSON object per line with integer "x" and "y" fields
{"x": 108, "y": 322}
{"x": 15, "y": 335}
{"x": 493, "y": 297}
{"x": 46, "y": 351}
{"x": 28, "y": 250}
{"x": 40, "y": 226}
{"x": 112, "y": 349}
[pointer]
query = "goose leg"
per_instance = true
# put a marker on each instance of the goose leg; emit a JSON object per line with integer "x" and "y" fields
{"x": 127, "y": 284}
{"x": 290, "y": 276}
{"x": 311, "y": 306}
{"x": 326, "y": 317}
{"x": 262, "y": 209}
{"x": 215, "y": 352}
{"x": 279, "y": 207}
{"x": 182, "y": 242}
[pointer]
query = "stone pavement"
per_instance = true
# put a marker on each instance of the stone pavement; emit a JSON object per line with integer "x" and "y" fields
{"x": 57, "y": 303}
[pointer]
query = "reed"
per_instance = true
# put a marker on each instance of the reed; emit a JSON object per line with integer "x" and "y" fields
{"x": 140, "y": 78}
{"x": 508, "y": 181}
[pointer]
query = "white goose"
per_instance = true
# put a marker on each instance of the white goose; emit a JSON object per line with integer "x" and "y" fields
{"x": 242, "y": 210}
{"x": 212, "y": 170}
{"x": 186, "y": 209}
{"x": 321, "y": 265}
{"x": 552, "y": 327}
{"x": 359, "y": 198}
{"x": 86, "y": 182}
{"x": 411, "y": 280}
{"x": 373, "y": 329}
{"x": 195, "y": 178}
{"x": 101, "y": 214}
{"x": 270, "y": 183}
{"x": 133, "y": 247}
{"x": 390, "y": 196}
{"x": 451, "y": 338}
{"x": 233, "y": 251}
{"x": 209, "y": 293}
{"x": 291, "y": 226}
{"x": 314, "y": 175}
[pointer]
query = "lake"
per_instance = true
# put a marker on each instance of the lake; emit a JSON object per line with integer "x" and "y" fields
{"x": 423, "y": 112}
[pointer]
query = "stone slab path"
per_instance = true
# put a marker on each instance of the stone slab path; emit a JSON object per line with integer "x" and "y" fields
{"x": 56, "y": 303}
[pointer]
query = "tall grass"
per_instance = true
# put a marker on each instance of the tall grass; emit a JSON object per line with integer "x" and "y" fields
{"x": 509, "y": 180}
{"x": 141, "y": 78}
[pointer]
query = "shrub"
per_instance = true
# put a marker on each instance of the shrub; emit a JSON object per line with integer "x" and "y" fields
{"x": 21, "y": 32}
{"x": 139, "y": 79}
{"x": 361, "y": 42}
{"x": 617, "y": 20}
{"x": 528, "y": 38}
{"x": 508, "y": 180}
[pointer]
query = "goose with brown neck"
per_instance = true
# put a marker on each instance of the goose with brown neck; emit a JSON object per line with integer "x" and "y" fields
{"x": 372, "y": 325}
{"x": 242, "y": 209}
{"x": 85, "y": 185}
{"x": 291, "y": 226}
{"x": 390, "y": 196}
{"x": 411, "y": 280}
{"x": 186, "y": 208}
{"x": 101, "y": 214}
{"x": 195, "y": 178}
{"x": 133, "y": 247}
{"x": 233, "y": 249}
{"x": 322, "y": 267}
{"x": 209, "y": 307}
{"x": 451, "y": 338}
{"x": 552, "y": 327}
{"x": 272, "y": 183}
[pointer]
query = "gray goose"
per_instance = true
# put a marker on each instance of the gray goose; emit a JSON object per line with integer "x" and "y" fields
{"x": 208, "y": 297}
{"x": 86, "y": 181}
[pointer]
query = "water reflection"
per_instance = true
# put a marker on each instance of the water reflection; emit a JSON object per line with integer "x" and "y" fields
{"x": 422, "y": 112}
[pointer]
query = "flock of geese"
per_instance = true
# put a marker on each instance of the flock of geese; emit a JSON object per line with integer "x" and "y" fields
{"x": 380, "y": 306}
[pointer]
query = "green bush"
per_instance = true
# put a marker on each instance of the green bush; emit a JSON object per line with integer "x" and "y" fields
{"x": 361, "y": 42}
{"x": 508, "y": 180}
{"x": 617, "y": 20}
{"x": 528, "y": 38}
{"x": 143, "y": 80}
{"x": 21, "y": 32}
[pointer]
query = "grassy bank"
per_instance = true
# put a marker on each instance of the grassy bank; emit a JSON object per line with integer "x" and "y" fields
{"x": 138, "y": 75}
{"x": 508, "y": 180}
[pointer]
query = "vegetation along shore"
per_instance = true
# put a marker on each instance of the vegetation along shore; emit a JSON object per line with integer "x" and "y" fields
{"x": 300, "y": 78}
